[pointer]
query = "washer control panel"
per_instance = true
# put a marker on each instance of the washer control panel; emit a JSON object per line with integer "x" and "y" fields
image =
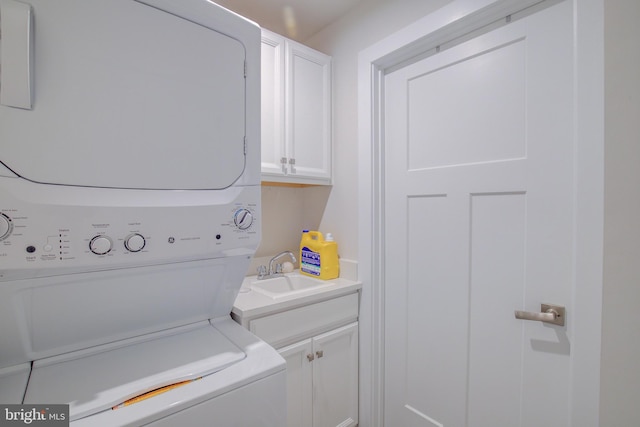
{"x": 41, "y": 238}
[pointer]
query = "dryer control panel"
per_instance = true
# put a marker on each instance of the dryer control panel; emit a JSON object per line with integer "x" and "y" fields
{"x": 50, "y": 230}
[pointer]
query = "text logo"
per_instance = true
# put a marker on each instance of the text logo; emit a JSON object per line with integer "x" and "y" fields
{"x": 34, "y": 415}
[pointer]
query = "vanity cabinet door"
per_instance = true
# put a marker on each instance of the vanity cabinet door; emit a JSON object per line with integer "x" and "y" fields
{"x": 299, "y": 358}
{"x": 335, "y": 378}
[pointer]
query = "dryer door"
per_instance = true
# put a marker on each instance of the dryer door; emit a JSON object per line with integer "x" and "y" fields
{"x": 127, "y": 96}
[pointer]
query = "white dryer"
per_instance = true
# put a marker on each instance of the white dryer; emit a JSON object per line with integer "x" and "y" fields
{"x": 129, "y": 212}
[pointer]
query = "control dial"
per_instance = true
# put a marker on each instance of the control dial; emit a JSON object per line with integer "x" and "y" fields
{"x": 134, "y": 242}
{"x": 100, "y": 245}
{"x": 6, "y": 226}
{"x": 243, "y": 218}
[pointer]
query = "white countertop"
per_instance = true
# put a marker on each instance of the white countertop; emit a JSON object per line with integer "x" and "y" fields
{"x": 250, "y": 304}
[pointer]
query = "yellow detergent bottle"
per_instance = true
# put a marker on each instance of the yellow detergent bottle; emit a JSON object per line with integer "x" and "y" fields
{"x": 319, "y": 257}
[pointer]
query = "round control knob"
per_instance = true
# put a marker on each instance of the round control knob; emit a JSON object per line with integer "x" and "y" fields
{"x": 243, "y": 219}
{"x": 134, "y": 242}
{"x": 100, "y": 245}
{"x": 6, "y": 226}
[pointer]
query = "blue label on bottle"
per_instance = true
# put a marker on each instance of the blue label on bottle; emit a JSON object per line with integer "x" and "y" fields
{"x": 310, "y": 261}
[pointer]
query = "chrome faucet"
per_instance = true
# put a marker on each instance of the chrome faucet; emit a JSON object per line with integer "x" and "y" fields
{"x": 264, "y": 273}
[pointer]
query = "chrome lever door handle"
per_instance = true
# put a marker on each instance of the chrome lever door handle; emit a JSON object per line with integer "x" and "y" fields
{"x": 549, "y": 313}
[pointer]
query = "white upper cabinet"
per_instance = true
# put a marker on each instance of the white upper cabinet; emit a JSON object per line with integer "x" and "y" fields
{"x": 296, "y": 112}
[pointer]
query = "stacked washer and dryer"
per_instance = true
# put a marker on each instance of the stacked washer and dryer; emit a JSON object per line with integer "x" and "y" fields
{"x": 129, "y": 212}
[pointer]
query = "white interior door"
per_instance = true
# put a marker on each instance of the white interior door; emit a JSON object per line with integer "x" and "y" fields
{"x": 479, "y": 208}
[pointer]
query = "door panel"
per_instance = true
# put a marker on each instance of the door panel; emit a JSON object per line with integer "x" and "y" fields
{"x": 497, "y": 273}
{"x": 461, "y": 89}
{"x": 479, "y": 195}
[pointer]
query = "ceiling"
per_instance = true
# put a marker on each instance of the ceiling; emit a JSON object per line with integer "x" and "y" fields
{"x": 296, "y": 19}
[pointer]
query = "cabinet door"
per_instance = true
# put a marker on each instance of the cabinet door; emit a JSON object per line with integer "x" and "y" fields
{"x": 299, "y": 398}
{"x": 335, "y": 378}
{"x": 308, "y": 113}
{"x": 272, "y": 103}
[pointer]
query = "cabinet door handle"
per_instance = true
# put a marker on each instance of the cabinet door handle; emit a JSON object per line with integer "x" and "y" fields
{"x": 319, "y": 353}
{"x": 310, "y": 357}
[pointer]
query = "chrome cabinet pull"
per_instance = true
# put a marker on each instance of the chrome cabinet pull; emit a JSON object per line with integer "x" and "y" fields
{"x": 549, "y": 313}
{"x": 319, "y": 353}
{"x": 310, "y": 357}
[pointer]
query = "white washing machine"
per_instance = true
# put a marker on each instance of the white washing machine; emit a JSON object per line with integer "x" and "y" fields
{"x": 129, "y": 212}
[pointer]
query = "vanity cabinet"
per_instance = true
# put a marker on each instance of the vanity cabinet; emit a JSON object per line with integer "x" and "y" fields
{"x": 319, "y": 342}
{"x": 296, "y": 112}
{"x": 322, "y": 378}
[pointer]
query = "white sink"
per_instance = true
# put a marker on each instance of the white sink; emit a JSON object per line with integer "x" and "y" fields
{"x": 288, "y": 285}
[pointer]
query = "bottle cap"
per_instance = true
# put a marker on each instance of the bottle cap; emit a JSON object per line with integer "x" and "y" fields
{"x": 328, "y": 237}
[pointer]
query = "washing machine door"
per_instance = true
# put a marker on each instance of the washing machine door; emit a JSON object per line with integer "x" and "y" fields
{"x": 123, "y": 95}
{"x": 117, "y": 375}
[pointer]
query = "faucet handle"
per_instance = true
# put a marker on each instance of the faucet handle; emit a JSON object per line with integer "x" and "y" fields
{"x": 262, "y": 271}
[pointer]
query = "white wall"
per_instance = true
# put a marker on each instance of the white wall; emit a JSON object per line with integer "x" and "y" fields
{"x": 369, "y": 22}
{"x": 364, "y": 26}
{"x": 620, "y": 370}
{"x": 287, "y": 210}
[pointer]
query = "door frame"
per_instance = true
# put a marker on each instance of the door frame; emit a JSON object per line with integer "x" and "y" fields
{"x": 423, "y": 38}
